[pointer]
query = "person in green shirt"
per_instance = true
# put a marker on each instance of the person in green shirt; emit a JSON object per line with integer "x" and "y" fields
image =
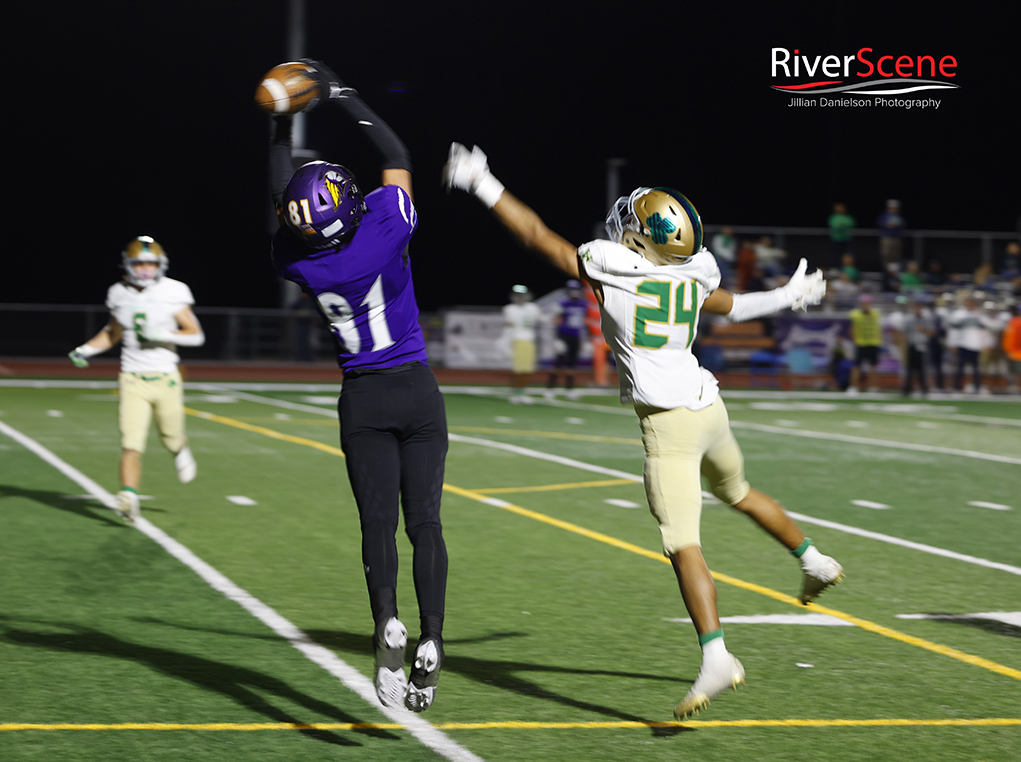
{"x": 841, "y": 226}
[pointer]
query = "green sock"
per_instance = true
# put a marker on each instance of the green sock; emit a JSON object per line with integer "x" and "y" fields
{"x": 799, "y": 551}
{"x": 707, "y": 636}
{"x": 129, "y": 489}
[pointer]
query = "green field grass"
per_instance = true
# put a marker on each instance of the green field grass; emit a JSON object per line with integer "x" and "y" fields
{"x": 565, "y": 637}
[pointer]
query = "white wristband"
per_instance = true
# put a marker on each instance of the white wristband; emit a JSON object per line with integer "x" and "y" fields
{"x": 86, "y": 350}
{"x": 188, "y": 339}
{"x": 758, "y": 304}
{"x": 489, "y": 190}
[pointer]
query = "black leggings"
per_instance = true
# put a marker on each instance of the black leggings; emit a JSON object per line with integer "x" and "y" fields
{"x": 393, "y": 430}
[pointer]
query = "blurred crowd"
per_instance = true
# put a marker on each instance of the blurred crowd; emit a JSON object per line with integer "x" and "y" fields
{"x": 947, "y": 331}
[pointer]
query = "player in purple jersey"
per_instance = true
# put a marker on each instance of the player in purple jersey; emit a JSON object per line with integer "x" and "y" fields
{"x": 349, "y": 254}
{"x": 570, "y": 322}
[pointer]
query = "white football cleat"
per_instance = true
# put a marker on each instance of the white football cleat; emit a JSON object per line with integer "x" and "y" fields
{"x": 186, "y": 466}
{"x": 425, "y": 675}
{"x": 391, "y": 682}
{"x": 713, "y": 679}
{"x": 819, "y": 573}
{"x": 128, "y": 506}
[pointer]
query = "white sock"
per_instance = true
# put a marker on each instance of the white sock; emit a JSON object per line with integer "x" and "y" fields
{"x": 714, "y": 650}
{"x": 811, "y": 557}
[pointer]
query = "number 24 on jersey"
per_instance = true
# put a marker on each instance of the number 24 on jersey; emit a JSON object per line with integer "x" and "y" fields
{"x": 676, "y": 307}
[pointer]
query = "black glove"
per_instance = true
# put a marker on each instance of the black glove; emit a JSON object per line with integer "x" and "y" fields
{"x": 330, "y": 84}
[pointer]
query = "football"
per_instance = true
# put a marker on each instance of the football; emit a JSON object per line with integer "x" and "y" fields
{"x": 288, "y": 89}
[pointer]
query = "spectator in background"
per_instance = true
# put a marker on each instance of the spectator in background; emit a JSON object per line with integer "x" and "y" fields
{"x": 768, "y": 257}
{"x": 848, "y": 266}
{"x": 919, "y": 326}
{"x": 891, "y": 230}
{"x": 992, "y": 359}
{"x": 911, "y": 278}
{"x": 841, "y": 291}
{"x": 841, "y": 226}
{"x": 520, "y": 325}
{"x": 569, "y": 319}
{"x": 890, "y": 282}
{"x": 972, "y": 337}
{"x": 1011, "y": 344}
{"x": 935, "y": 279}
{"x": 940, "y": 316}
{"x": 1011, "y": 262}
{"x": 867, "y": 335}
{"x": 984, "y": 278}
{"x": 724, "y": 248}
{"x": 745, "y": 264}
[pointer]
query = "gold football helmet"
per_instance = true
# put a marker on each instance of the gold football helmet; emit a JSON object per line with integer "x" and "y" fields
{"x": 661, "y": 224}
{"x": 143, "y": 249}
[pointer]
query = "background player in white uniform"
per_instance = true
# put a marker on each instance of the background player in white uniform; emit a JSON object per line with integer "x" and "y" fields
{"x": 520, "y": 325}
{"x": 652, "y": 281}
{"x": 149, "y": 314}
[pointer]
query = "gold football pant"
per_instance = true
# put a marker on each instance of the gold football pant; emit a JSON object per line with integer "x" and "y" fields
{"x": 147, "y": 395}
{"x": 681, "y": 446}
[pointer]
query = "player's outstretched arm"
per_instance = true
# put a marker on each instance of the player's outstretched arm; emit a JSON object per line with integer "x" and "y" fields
{"x": 798, "y": 293}
{"x": 469, "y": 171}
{"x": 281, "y": 165}
{"x": 396, "y": 159}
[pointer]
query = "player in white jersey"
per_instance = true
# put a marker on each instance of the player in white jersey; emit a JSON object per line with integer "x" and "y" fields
{"x": 521, "y": 320}
{"x": 149, "y": 315}
{"x": 652, "y": 281}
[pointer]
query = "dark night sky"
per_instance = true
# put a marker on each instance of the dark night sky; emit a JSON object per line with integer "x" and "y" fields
{"x": 132, "y": 118}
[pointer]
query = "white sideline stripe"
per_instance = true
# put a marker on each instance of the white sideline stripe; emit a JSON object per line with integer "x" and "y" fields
{"x": 323, "y": 657}
{"x": 906, "y": 543}
{"x": 875, "y": 442}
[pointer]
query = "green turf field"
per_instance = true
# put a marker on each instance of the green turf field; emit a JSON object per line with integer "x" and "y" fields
{"x": 233, "y": 623}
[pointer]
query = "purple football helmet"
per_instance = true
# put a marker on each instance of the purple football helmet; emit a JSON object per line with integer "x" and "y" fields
{"x": 323, "y": 204}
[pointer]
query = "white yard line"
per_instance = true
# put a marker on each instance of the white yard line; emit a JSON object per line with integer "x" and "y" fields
{"x": 323, "y": 657}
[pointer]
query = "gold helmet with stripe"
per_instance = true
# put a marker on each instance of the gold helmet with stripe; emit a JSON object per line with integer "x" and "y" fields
{"x": 661, "y": 224}
{"x": 143, "y": 249}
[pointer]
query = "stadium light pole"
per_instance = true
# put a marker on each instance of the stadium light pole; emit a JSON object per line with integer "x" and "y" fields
{"x": 290, "y": 293}
{"x": 613, "y": 167}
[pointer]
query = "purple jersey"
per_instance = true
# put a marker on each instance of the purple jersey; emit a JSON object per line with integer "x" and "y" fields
{"x": 363, "y": 288}
{"x": 572, "y": 316}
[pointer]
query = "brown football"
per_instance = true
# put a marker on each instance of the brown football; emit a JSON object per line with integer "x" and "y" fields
{"x": 288, "y": 89}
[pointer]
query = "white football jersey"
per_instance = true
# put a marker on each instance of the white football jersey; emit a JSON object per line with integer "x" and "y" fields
{"x": 649, "y": 319}
{"x": 153, "y": 306}
{"x": 522, "y": 320}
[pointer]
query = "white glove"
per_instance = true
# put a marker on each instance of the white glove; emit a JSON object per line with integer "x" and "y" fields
{"x": 469, "y": 171}
{"x": 805, "y": 290}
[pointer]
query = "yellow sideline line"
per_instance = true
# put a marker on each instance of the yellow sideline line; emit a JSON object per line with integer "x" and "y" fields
{"x": 519, "y": 725}
{"x": 477, "y": 496}
{"x": 264, "y": 431}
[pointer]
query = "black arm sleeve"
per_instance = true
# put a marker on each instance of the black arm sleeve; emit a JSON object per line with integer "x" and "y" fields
{"x": 395, "y": 153}
{"x": 280, "y": 164}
